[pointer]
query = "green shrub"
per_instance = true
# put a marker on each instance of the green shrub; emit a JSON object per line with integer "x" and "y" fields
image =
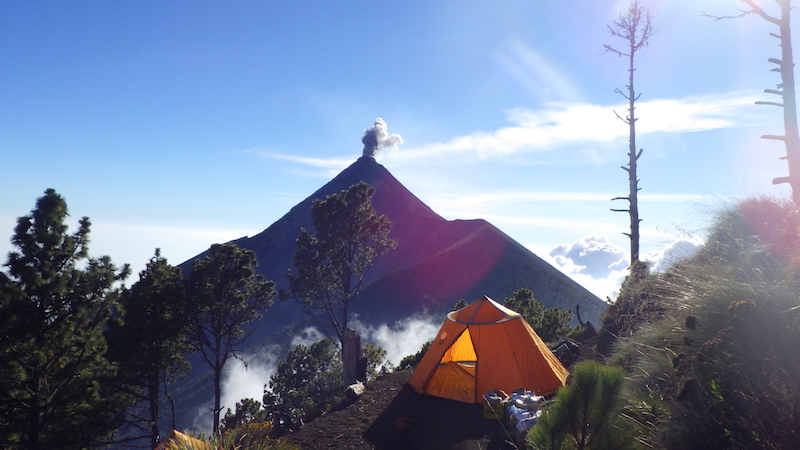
{"x": 585, "y": 414}
{"x": 411, "y": 361}
{"x": 549, "y": 323}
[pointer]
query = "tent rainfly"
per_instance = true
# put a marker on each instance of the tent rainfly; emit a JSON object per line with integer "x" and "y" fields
{"x": 486, "y": 346}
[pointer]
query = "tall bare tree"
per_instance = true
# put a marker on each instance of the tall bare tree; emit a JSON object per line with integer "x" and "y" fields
{"x": 635, "y": 28}
{"x": 785, "y": 89}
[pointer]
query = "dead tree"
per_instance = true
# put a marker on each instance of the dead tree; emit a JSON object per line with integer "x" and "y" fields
{"x": 635, "y": 28}
{"x": 785, "y": 66}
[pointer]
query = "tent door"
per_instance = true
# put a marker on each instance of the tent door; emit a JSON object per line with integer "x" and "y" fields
{"x": 455, "y": 376}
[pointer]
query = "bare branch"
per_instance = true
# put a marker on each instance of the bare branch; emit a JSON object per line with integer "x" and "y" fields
{"x": 621, "y": 118}
{"x": 718, "y": 18}
{"x": 780, "y": 180}
{"x": 613, "y": 50}
{"x": 758, "y": 10}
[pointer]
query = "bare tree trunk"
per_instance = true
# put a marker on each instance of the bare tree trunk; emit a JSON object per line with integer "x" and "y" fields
{"x": 791, "y": 137}
{"x": 351, "y": 353}
{"x": 218, "y": 363}
{"x": 786, "y": 89}
{"x": 633, "y": 157}
{"x": 635, "y": 28}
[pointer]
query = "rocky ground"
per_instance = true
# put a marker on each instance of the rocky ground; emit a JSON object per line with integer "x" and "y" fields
{"x": 390, "y": 415}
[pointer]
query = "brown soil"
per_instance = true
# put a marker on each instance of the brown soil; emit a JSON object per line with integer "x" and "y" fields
{"x": 371, "y": 422}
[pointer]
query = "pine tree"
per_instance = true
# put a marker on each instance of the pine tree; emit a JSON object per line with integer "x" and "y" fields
{"x": 586, "y": 413}
{"x": 333, "y": 263}
{"x": 229, "y": 295}
{"x": 549, "y": 323}
{"x": 151, "y": 342}
{"x": 55, "y": 301}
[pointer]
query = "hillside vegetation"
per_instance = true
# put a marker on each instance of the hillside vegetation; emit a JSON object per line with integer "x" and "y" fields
{"x": 712, "y": 346}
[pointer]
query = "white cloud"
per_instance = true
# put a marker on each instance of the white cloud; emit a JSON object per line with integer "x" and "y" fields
{"x": 405, "y": 337}
{"x": 601, "y": 267}
{"x": 307, "y": 337}
{"x": 673, "y": 252}
{"x": 594, "y": 256}
{"x": 593, "y": 262}
{"x": 241, "y": 381}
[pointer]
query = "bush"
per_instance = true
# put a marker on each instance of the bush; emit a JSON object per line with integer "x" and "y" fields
{"x": 307, "y": 382}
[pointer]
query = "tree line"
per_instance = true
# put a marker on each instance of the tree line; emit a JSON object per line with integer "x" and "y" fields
{"x": 84, "y": 355}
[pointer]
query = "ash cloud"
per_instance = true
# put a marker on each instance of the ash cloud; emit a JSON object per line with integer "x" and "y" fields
{"x": 376, "y": 138}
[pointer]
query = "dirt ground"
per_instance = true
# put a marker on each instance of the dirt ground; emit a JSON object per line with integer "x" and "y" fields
{"x": 390, "y": 415}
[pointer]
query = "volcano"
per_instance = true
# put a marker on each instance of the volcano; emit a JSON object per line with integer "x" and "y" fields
{"x": 436, "y": 262}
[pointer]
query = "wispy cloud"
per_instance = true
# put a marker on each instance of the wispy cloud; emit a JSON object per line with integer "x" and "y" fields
{"x": 582, "y": 127}
{"x": 508, "y": 197}
{"x": 558, "y": 125}
{"x": 333, "y": 165}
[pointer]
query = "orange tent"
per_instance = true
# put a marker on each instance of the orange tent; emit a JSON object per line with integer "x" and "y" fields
{"x": 486, "y": 346}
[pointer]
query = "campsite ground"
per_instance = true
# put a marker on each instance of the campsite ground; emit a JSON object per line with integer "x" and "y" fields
{"x": 371, "y": 422}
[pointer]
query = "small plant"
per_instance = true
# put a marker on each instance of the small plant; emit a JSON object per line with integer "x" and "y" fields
{"x": 585, "y": 414}
{"x": 251, "y": 436}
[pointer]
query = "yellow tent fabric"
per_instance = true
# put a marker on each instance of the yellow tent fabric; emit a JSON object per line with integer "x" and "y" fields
{"x": 486, "y": 346}
{"x": 179, "y": 441}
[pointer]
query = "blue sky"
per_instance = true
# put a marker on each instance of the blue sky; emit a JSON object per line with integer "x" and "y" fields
{"x": 184, "y": 123}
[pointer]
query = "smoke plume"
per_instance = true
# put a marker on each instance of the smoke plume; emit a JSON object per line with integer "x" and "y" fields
{"x": 377, "y": 138}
